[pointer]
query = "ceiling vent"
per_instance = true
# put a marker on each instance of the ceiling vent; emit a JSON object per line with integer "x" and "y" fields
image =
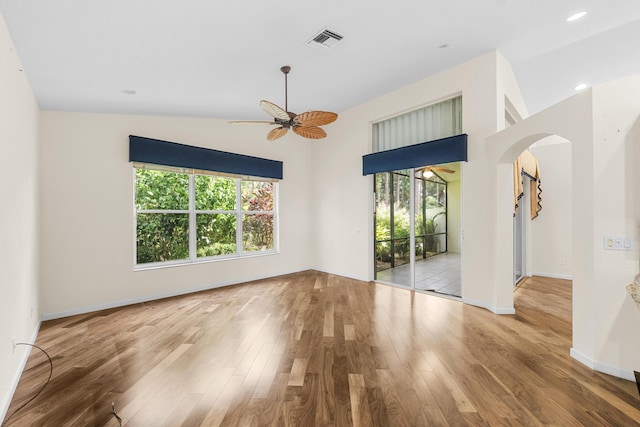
{"x": 325, "y": 39}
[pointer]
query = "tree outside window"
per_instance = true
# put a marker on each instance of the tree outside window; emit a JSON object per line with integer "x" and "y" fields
{"x": 188, "y": 216}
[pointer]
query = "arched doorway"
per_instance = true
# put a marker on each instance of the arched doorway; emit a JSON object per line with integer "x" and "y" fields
{"x": 570, "y": 120}
{"x": 542, "y": 225}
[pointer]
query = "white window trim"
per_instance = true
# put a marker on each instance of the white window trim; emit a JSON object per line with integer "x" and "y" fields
{"x": 192, "y": 212}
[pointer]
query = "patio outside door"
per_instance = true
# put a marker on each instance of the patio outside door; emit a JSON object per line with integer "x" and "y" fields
{"x": 393, "y": 227}
{"x": 411, "y": 231}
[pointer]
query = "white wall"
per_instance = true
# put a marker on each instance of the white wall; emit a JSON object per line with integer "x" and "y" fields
{"x": 551, "y": 233}
{"x": 87, "y": 235}
{"x": 343, "y": 214}
{"x": 454, "y": 216}
{"x": 498, "y": 191}
{"x": 19, "y": 311}
{"x": 616, "y": 160}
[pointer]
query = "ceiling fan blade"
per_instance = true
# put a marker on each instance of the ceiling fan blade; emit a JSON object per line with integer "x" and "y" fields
{"x": 316, "y": 118}
{"x": 441, "y": 169}
{"x": 311, "y": 132}
{"x": 274, "y": 111}
{"x": 253, "y": 122}
{"x": 276, "y": 133}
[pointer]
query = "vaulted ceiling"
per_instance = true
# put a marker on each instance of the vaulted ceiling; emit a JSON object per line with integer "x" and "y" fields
{"x": 217, "y": 59}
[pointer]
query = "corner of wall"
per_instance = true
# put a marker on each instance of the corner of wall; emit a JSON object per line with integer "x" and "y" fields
{"x": 19, "y": 285}
{"x": 601, "y": 367}
{"x": 6, "y": 402}
{"x": 509, "y": 93}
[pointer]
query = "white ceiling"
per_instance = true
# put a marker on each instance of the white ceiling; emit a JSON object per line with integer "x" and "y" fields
{"x": 217, "y": 59}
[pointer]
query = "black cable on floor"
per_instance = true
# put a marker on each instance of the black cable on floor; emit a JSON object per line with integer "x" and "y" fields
{"x": 39, "y": 391}
{"x": 113, "y": 412}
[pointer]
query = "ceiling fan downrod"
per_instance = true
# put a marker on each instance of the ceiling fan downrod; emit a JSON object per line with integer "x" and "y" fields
{"x": 285, "y": 70}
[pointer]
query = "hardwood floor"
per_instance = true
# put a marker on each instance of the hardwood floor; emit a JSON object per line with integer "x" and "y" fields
{"x": 312, "y": 349}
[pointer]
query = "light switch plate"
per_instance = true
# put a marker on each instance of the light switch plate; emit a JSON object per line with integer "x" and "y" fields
{"x": 618, "y": 243}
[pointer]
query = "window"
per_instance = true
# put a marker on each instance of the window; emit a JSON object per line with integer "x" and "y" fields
{"x": 435, "y": 121}
{"x": 186, "y": 215}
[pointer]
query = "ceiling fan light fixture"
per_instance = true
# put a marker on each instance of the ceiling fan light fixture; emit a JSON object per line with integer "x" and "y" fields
{"x": 428, "y": 173}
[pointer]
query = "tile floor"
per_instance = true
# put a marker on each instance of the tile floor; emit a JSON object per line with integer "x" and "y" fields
{"x": 439, "y": 273}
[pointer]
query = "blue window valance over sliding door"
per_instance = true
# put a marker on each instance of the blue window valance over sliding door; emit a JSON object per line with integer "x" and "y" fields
{"x": 445, "y": 150}
{"x": 154, "y": 151}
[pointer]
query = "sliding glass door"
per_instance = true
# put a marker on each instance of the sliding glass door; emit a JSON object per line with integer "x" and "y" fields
{"x": 431, "y": 214}
{"x": 392, "y": 226}
{"x": 412, "y": 229}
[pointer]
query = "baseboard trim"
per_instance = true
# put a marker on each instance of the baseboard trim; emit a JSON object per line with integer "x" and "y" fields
{"x": 348, "y": 276}
{"x": 553, "y": 275}
{"x": 147, "y": 298}
{"x": 153, "y": 297}
{"x": 505, "y": 310}
{"x": 17, "y": 375}
{"x": 602, "y": 367}
{"x": 495, "y": 310}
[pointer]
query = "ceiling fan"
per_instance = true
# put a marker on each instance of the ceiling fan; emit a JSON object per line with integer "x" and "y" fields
{"x": 305, "y": 124}
{"x": 428, "y": 171}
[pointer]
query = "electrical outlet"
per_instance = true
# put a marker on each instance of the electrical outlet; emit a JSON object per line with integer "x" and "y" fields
{"x": 618, "y": 243}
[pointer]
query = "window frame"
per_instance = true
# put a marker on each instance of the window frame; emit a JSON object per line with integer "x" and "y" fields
{"x": 192, "y": 213}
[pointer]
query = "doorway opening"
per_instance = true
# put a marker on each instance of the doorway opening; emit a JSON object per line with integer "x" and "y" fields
{"x": 520, "y": 227}
{"x": 417, "y": 222}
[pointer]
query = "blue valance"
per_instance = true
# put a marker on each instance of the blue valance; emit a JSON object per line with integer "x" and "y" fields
{"x": 147, "y": 150}
{"x": 445, "y": 150}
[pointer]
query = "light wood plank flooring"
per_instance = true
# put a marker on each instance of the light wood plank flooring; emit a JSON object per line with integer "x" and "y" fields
{"x": 314, "y": 349}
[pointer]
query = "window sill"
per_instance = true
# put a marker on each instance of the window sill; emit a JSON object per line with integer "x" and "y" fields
{"x": 206, "y": 260}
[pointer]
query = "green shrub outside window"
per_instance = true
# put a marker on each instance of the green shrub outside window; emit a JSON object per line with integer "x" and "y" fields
{"x": 227, "y": 215}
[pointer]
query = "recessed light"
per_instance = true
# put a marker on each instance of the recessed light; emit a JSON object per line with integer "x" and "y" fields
{"x": 581, "y": 86}
{"x": 443, "y": 46}
{"x": 576, "y": 16}
{"x": 128, "y": 91}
